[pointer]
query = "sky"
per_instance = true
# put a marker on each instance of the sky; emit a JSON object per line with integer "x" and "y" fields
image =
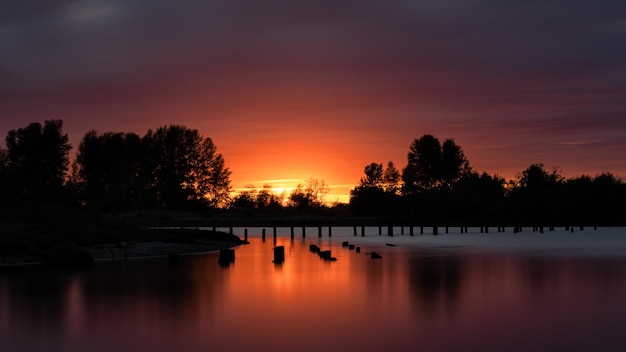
{"x": 289, "y": 90}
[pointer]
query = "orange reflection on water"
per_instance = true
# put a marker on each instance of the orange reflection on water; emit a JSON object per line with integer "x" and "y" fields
{"x": 412, "y": 297}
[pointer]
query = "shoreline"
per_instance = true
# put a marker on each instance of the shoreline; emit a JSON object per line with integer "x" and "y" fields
{"x": 129, "y": 251}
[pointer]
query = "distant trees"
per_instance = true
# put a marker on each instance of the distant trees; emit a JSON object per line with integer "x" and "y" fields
{"x": 310, "y": 194}
{"x": 432, "y": 165}
{"x": 255, "y": 198}
{"x": 36, "y": 161}
{"x": 173, "y": 167}
{"x": 183, "y": 166}
{"x": 376, "y": 189}
{"x": 109, "y": 170}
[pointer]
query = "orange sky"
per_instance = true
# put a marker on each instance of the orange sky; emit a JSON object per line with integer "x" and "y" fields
{"x": 292, "y": 90}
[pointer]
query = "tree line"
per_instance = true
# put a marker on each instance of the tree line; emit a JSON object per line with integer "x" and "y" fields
{"x": 175, "y": 167}
{"x": 172, "y": 167}
{"x": 438, "y": 185}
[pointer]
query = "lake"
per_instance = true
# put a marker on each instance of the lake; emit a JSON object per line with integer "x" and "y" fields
{"x": 494, "y": 292}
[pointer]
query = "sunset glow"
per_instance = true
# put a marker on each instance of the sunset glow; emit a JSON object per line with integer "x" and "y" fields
{"x": 321, "y": 89}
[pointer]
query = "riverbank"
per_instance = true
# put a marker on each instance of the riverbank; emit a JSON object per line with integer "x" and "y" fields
{"x": 110, "y": 244}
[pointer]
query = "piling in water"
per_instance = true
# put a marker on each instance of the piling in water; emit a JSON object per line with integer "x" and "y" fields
{"x": 227, "y": 256}
{"x": 279, "y": 254}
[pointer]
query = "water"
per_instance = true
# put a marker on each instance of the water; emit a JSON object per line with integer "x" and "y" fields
{"x": 452, "y": 292}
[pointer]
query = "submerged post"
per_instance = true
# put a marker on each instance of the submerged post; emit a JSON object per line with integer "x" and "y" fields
{"x": 292, "y": 234}
{"x": 390, "y": 231}
{"x": 245, "y": 235}
{"x": 319, "y": 231}
{"x": 263, "y": 235}
{"x": 330, "y": 231}
{"x": 303, "y": 232}
{"x": 279, "y": 254}
{"x": 380, "y": 230}
{"x": 355, "y": 230}
{"x": 362, "y": 231}
{"x": 411, "y": 230}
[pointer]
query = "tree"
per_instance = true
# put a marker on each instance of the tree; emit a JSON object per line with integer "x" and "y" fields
{"x": 6, "y": 183}
{"x": 311, "y": 194}
{"x": 373, "y": 175}
{"x": 391, "y": 179}
{"x": 433, "y": 166}
{"x": 254, "y": 198}
{"x": 184, "y": 167}
{"x": 535, "y": 192}
{"x": 108, "y": 170}
{"x": 376, "y": 190}
{"x": 38, "y": 158}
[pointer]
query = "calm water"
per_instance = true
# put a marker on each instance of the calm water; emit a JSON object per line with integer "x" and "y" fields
{"x": 418, "y": 297}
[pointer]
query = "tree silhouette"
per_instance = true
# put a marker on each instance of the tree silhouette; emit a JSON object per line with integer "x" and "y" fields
{"x": 373, "y": 175}
{"x": 311, "y": 194}
{"x": 376, "y": 190}
{"x": 432, "y": 166}
{"x": 255, "y": 198}
{"x": 38, "y": 158}
{"x": 108, "y": 170}
{"x": 534, "y": 196}
{"x": 391, "y": 179}
{"x": 184, "y": 167}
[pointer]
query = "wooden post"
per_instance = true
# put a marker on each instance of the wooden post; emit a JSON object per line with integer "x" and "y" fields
{"x": 303, "y": 232}
{"x": 231, "y": 230}
{"x": 411, "y": 230}
{"x": 330, "y": 231}
{"x": 274, "y": 233}
{"x": 362, "y": 231}
{"x": 435, "y": 230}
{"x": 245, "y": 235}
{"x": 214, "y": 229}
{"x": 390, "y": 231}
{"x": 421, "y": 230}
{"x": 279, "y": 254}
{"x": 380, "y": 230}
{"x": 402, "y": 230}
{"x": 263, "y": 235}
{"x": 319, "y": 231}
{"x": 446, "y": 229}
{"x": 292, "y": 233}
{"x": 355, "y": 230}
{"x": 486, "y": 229}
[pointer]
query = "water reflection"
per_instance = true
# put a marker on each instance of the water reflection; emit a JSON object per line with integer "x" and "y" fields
{"x": 434, "y": 300}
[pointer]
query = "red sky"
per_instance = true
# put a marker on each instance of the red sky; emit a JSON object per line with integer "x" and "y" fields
{"x": 292, "y": 90}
